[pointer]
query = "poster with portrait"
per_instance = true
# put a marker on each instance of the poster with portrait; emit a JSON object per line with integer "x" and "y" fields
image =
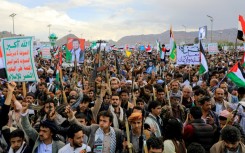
{"x": 77, "y": 48}
{"x": 202, "y": 33}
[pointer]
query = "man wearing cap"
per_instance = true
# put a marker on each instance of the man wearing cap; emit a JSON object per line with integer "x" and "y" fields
{"x": 135, "y": 120}
{"x": 50, "y": 77}
{"x": 176, "y": 108}
{"x": 226, "y": 118}
{"x": 44, "y": 142}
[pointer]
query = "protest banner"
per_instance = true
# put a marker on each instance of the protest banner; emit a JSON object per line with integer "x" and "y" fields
{"x": 213, "y": 48}
{"x": 45, "y": 49}
{"x": 18, "y": 59}
{"x": 188, "y": 55}
{"x": 76, "y": 47}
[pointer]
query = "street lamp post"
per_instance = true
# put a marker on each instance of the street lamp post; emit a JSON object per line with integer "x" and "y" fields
{"x": 185, "y": 31}
{"x": 212, "y": 20}
{"x": 13, "y": 15}
{"x": 49, "y": 29}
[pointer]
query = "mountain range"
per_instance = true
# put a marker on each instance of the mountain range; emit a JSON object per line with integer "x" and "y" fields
{"x": 179, "y": 36}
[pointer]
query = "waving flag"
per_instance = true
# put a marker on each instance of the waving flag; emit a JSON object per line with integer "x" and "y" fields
{"x": 241, "y": 29}
{"x": 127, "y": 51}
{"x": 204, "y": 65}
{"x": 243, "y": 60}
{"x": 236, "y": 75}
{"x": 173, "y": 52}
{"x": 148, "y": 49}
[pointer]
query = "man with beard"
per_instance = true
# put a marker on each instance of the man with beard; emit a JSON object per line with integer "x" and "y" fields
{"x": 117, "y": 111}
{"x": 75, "y": 138}
{"x": 187, "y": 100}
{"x": 106, "y": 103}
{"x": 115, "y": 85}
{"x": 44, "y": 141}
{"x": 228, "y": 97}
{"x": 161, "y": 96}
{"x": 18, "y": 145}
{"x": 178, "y": 110}
{"x": 218, "y": 102}
{"x": 231, "y": 141}
{"x": 175, "y": 88}
{"x": 77, "y": 52}
{"x": 135, "y": 120}
{"x": 125, "y": 104}
{"x": 147, "y": 93}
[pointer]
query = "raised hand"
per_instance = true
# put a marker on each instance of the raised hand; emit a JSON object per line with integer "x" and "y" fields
{"x": 11, "y": 86}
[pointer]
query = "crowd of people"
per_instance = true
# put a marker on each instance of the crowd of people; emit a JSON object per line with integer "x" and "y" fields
{"x": 112, "y": 103}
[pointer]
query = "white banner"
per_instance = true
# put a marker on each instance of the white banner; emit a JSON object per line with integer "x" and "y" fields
{"x": 18, "y": 58}
{"x": 213, "y": 48}
{"x": 188, "y": 55}
{"x": 46, "y": 51}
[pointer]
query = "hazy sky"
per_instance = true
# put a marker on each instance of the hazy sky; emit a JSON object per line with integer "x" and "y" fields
{"x": 113, "y": 19}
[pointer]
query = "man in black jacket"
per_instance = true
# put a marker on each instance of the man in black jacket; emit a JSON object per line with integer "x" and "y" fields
{"x": 198, "y": 131}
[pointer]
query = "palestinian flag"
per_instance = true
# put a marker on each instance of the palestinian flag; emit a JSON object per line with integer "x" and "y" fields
{"x": 173, "y": 51}
{"x": 204, "y": 65}
{"x": 236, "y": 76}
{"x": 241, "y": 29}
{"x": 243, "y": 60}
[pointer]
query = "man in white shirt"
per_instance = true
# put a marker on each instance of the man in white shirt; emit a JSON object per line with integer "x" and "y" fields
{"x": 75, "y": 139}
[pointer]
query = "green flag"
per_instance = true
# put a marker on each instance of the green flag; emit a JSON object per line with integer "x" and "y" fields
{"x": 68, "y": 55}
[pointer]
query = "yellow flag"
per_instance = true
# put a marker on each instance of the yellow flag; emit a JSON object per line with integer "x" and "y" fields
{"x": 128, "y": 53}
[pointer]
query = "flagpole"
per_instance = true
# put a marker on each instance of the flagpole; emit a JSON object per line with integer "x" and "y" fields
{"x": 220, "y": 82}
{"x": 236, "y": 49}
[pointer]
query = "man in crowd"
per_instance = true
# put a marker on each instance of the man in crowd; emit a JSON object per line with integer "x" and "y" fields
{"x": 18, "y": 145}
{"x": 103, "y": 138}
{"x": 231, "y": 141}
{"x": 75, "y": 138}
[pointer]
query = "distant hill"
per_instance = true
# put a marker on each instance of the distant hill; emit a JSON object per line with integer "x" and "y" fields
{"x": 180, "y": 37}
{"x": 63, "y": 40}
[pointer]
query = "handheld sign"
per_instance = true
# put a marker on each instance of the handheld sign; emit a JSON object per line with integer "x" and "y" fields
{"x": 18, "y": 59}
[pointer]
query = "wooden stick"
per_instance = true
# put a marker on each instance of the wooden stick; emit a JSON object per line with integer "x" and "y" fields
{"x": 24, "y": 88}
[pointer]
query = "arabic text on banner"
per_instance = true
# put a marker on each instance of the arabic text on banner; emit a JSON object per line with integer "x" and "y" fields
{"x": 188, "y": 55}
{"x": 18, "y": 58}
{"x": 46, "y": 51}
{"x": 213, "y": 48}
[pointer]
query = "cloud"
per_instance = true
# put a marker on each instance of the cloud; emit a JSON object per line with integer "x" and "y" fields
{"x": 113, "y": 19}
